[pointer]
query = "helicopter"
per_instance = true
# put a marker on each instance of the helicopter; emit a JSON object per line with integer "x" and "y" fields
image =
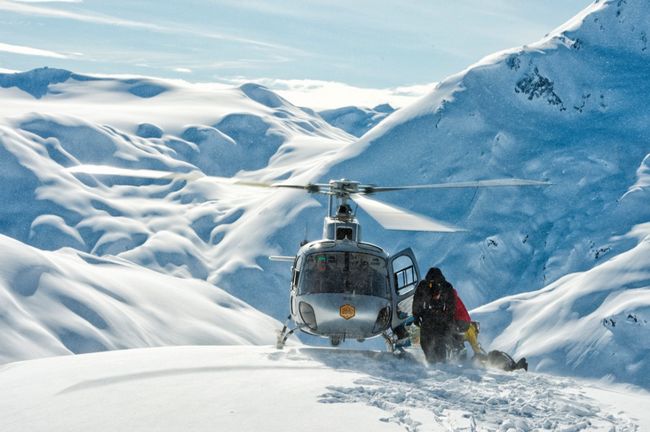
{"x": 341, "y": 286}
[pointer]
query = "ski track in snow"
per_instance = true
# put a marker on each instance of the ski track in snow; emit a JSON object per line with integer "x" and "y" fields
{"x": 463, "y": 398}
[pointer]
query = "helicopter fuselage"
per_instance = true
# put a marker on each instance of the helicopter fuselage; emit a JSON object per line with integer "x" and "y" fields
{"x": 344, "y": 288}
{"x": 347, "y": 289}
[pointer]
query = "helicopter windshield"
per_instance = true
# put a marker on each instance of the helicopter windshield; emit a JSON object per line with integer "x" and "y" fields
{"x": 345, "y": 272}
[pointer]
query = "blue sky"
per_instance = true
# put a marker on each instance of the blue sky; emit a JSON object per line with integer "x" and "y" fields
{"x": 363, "y": 43}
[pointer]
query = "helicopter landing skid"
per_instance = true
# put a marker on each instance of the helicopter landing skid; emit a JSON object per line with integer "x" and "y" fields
{"x": 284, "y": 334}
{"x": 394, "y": 344}
{"x": 389, "y": 338}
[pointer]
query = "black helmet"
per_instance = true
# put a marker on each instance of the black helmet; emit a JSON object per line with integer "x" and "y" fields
{"x": 435, "y": 275}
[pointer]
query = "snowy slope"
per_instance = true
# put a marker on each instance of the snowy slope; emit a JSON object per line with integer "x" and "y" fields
{"x": 594, "y": 323}
{"x": 259, "y": 388}
{"x": 67, "y": 301}
{"x": 571, "y": 109}
{"x": 52, "y": 119}
{"x": 356, "y": 120}
{"x": 186, "y": 127}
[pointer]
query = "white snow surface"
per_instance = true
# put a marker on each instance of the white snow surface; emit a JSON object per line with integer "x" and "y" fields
{"x": 561, "y": 273}
{"x": 357, "y": 120}
{"x": 259, "y": 388}
{"x": 596, "y": 320}
{"x": 68, "y": 301}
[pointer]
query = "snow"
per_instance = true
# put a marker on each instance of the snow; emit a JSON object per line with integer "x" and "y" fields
{"x": 67, "y": 301}
{"x": 593, "y": 323}
{"x": 259, "y": 388}
{"x": 126, "y": 102}
{"x": 572, "y": 113}
{"x": 118, "y": 257}
{"x": 329, "y": 95}
{"x": 355, "y": 120}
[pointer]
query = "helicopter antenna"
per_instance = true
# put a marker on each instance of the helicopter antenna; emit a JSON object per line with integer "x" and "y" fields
{"x": 304, "y": 239}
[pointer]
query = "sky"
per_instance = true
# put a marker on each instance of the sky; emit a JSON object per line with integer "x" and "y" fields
{"x": 304, "y": 45}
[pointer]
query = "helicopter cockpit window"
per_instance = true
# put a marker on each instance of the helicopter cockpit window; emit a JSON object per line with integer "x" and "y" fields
{"x": 344, "y": 272}
{"x": 344, "y": 233}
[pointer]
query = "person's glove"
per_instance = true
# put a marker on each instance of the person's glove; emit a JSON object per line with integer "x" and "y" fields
{"x": 462, "y": 326}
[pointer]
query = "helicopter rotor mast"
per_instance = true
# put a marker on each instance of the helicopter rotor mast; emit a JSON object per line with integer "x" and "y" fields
{"x": 341, "y": 190}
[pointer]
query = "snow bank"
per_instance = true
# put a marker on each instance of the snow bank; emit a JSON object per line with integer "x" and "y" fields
{"x": 70, "y": 302}
{"x": 258, "y": 388}
{"x": 593, "y": 323}
{"x": 356, "y": 120}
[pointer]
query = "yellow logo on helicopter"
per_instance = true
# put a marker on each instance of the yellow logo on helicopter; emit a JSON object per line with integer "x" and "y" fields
{"x": 347, "y": 311}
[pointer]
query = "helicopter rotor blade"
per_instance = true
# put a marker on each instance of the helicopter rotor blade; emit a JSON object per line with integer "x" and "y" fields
{"x": 282, "y": 258}
{"x": 309, "y": 187}
{"x": 107, "y": 170}
{"x": 131, "y": 172}
{"x": 395, "y": 218}
{"x": 468, "y": 184}
{"x": 324, "y": 188}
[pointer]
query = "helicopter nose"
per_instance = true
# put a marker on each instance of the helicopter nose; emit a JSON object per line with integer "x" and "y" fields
{"x": 352, "y": 316}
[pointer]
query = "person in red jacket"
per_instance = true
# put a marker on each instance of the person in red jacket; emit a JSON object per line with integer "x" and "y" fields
{"x": 442, "y": 317}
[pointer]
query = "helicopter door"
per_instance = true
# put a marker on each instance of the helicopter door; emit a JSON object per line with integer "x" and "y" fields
{"x": 295, "y": 277}
{"x": 406, "y": 276}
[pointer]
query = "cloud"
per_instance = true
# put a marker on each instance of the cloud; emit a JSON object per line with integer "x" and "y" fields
{"x": 321, "y": 95}
{"x": 27, "y": 9}
{"x": 48, "y": 1}
{"x": 182, "y": 70}
{"x": 20, "y": 7}
{"x": 19, "y": 49}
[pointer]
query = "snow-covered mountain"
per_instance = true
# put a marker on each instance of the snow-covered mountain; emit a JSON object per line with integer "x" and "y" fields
{"x": 571, "y": 109}
{"x": 53, "y": 119}
{"x": 63, "y": 302}
{"x": 94, "y": 120}
{"x": 594, "y": 323}
{"x": 356, "y": 120}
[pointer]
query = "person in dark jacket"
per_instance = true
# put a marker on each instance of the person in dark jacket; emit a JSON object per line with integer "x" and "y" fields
{"x": 442, "y": 317}
{"x": 444, "y": 322}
